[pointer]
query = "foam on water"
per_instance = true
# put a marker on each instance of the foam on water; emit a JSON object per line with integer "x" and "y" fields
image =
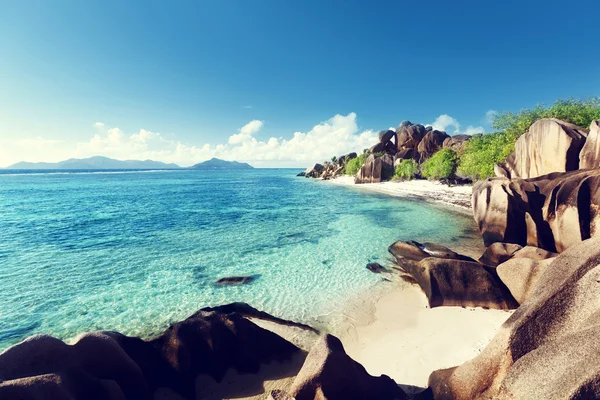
{"x": 136, "y": 252}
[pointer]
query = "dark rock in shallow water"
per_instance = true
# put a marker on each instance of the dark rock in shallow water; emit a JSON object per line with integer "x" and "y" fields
{"x": 303, "y": 173}
{"x": 376, "y": 268}
{"x": 235, "y": 280}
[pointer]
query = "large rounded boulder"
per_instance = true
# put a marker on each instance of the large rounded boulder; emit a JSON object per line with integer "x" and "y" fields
{"x": 431, "y": 143}
{"x": 330, "y": 374}
{"x": 409, "y": 135}
{"x": 590, "y": 153}
{"x": 549, "y": 348}
{"x": 550, "y": 145}
{"x": 552, "y": 212}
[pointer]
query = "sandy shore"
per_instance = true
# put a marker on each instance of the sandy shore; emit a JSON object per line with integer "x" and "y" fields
{"x": 458, "y": 196}
{"x": 407, "y": 340}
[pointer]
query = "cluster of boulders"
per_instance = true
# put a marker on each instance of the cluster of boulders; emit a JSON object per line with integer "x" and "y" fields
{"x": 549, "y": 348}
{"x": 328, "y": 169}
{"x": 208, "y": 345}
{"x": 552, "y": 145}
{"x": 553, "y": 212}
{"x": 408, "y": 141}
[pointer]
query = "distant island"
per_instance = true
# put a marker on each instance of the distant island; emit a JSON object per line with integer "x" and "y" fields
{"x": 96, "y": 162}
{"x": 215, "y": 163}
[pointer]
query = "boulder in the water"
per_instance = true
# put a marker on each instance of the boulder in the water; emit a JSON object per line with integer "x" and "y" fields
{"x": 235, "y": 280}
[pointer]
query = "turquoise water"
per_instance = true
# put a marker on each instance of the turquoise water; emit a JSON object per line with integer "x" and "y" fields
{"x": 135, "y": 251}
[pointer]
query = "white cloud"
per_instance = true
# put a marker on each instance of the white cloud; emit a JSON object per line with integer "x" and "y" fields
{"x": 246, "y": 132}
{"x": 336, "y": 136}
{"x": 443, "y": 122}
{"x": 99, "y": 125}
{"x": 490, "y": 115}
{"x": 247, "y": 107}
{"x": 472, "y": 130}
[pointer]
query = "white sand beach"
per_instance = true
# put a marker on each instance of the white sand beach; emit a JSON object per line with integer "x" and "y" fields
{"x": 407, "y": 340}
{"x": 458, "y": 196}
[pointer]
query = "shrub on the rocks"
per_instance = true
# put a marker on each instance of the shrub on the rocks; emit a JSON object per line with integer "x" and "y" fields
{"x": 354, "y": 165}
{"x": 483, "y": 151}
{"x": 407, "y": 169}
{"x": 442, "y": 165}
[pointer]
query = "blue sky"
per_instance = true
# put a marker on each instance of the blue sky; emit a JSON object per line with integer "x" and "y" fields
{"x": 176, "y": 81}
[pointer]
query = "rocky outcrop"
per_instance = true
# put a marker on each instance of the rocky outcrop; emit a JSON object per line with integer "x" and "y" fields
{"x": 415, "y": 251}
{"x": 456, "y": 142}
{"x": 376, "y": 169}
{"x": 552, "y": 212}
{"x": 497, "y": 253}
{"x": 550, "y": 145}
{"x": 549, "y": 347}
{"x": 448, "y": 282}
{"x": 590, "y": 153}
{"x": 314, "y": 171}
{"x": 521, "y": 274}
{"x": 108, "y": 365}
{"x": 409, "y": 135}
{"x": 330, "y": 374}
{"x": 431, "y": 143}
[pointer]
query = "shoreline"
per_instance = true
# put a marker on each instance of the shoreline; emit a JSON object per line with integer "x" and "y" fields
{"x": 458, "y": 196}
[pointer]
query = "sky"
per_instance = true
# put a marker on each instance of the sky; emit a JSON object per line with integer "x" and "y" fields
{"x": 275, "y": 83}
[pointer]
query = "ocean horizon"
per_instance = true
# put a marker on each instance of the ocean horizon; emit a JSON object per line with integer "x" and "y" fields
{"x": 134, "y": 251}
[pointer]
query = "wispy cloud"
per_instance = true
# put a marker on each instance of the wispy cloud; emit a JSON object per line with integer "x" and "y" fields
{"x": 335, "y": 136}
{"x": 247, "y": 107}
{"x": 451, "y": 126}
{"x": 490, "y": 115}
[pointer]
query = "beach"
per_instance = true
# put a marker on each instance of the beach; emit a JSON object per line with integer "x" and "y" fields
{"x": 457, "y": 196}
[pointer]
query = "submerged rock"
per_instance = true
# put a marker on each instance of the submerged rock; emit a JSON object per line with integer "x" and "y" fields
{"x": 235, "y": 280}
{"x": 376, "y": 268}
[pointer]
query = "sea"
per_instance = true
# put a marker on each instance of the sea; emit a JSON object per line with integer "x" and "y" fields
{"x": 134, "y": 251}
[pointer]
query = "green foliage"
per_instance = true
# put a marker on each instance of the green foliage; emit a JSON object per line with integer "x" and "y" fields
{"x": 442, "y": 165}
{"x": 334, "y": 159}
{"x": 352, "y": 166}
{"x": 483, "y": 151}
{"x": 407, "y": 169}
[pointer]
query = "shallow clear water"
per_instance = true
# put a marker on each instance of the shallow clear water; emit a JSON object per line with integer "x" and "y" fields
{"x": 134, "y": 252}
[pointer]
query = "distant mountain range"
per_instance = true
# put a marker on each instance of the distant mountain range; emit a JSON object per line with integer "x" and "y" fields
{"x": 215, "y": 163}
{"x": 96, "y": 162}
{"x": 99, "y": 162}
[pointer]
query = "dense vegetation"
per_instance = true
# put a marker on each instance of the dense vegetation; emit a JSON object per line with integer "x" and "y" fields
{"x": 352, "y": 166}
{"x": 483, "y": 151}
{"x": 406, "y": 169}
{"x": 476, "y": 160}
{"x": 442, "y": 165}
